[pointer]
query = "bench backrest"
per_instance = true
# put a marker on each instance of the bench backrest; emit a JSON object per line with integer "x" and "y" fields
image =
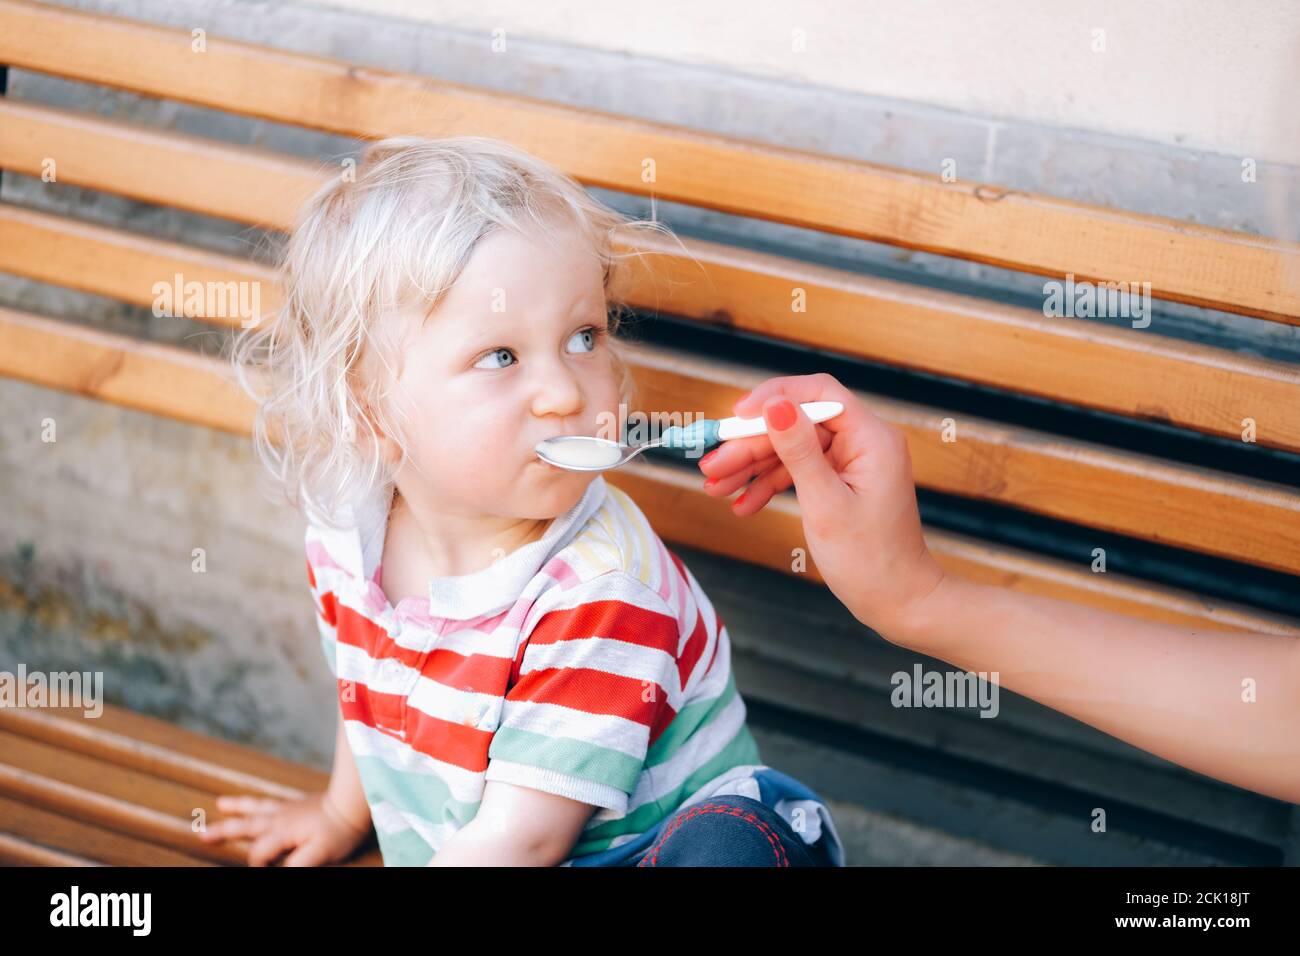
{"x": 1203, "y": 392}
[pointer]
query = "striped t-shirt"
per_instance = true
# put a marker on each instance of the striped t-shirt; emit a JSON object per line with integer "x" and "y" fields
{"x": 588, "y": 663}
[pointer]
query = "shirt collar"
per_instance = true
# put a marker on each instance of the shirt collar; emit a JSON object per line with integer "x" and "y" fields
{"x": 359, "y": 547}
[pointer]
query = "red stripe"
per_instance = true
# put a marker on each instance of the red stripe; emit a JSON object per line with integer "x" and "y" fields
{"x": 359, "y": 631}
{"x": 699, "y": 638}
{"x": 695, "y": 646}
{"x": 597, "y": 692}
{"x": 475, "y": 673}
{"x": 592, "y": 690}
{"x": 517, "y": 667}
{"x": 329, "y": 609}
{"x": 614, "y": 619}
{"x": 462, "y": 745}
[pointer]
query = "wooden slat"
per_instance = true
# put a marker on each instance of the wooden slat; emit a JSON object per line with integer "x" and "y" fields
{"x": 1142, "y": 375}
{"x": 67, "y": 834}
{"x": 111, "y": 812}
{"x": 119, "y": 264}
{"x": 18, "y": 852}
{"x": 137, "y": 375}
{"x": 1139, "y": 482}
{"x": 164, "y": 750}
{"x": 1137, "y": 373}
{"x": 1183, "y": 261}
{"x": 1019, "y": 571}
{"x": 123, "y": 798}
{"x": 127, "y": 784}
{"x": 186, "y": 172}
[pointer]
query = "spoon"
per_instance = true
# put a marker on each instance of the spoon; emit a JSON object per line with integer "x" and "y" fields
{"x": 588, "y": 453}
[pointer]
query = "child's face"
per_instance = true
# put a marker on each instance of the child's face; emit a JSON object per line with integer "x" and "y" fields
{"x": 506, "y": 359}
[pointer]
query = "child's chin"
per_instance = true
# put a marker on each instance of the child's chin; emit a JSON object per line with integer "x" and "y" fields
{"x": 558, "y": 490}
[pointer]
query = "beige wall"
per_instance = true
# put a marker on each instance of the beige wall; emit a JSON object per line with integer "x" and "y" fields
{"x": 1219, "y": 75}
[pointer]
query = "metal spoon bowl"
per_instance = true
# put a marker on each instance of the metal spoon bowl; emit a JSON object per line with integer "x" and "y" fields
{"x": 588, "y": 453}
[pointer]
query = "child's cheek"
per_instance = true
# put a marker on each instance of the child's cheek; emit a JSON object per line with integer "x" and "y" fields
{"x": 478, "y": 452}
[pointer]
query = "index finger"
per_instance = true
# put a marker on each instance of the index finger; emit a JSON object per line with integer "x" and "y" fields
{"x": 819, "y": 387}
{"x": 736, "y": 454}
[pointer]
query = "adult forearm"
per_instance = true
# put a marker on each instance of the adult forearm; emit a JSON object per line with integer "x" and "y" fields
{"x": 1226, "y": 704}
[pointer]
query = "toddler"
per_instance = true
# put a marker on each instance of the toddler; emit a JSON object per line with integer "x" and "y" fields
{"x": 526, "y": 674}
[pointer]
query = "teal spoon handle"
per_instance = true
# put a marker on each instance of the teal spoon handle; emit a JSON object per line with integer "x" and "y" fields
{"x": 708, "y": 432}
{"x": 701, "y": 435}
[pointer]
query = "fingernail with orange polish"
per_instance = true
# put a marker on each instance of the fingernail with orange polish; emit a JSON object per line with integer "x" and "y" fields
{"x": 781, "y": 415}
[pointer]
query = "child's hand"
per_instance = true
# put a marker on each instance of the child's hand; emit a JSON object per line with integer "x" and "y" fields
{"x": 853, "y": 478}
{"x": 312, "y": 828}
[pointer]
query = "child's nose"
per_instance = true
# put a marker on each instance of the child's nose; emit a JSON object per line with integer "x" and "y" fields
{"x": 558, "y": 393}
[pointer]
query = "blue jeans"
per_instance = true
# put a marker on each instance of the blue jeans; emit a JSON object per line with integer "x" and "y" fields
{"x": 730, "y": 831}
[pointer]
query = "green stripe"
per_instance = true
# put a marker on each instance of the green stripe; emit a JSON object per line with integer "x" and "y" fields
{"x": 423, "y": 795}
{"x": 566, "y": 755}
{"x": 404, "y": 848}
{"x": 741, "y": 750}
{"x": 688, "y": 721}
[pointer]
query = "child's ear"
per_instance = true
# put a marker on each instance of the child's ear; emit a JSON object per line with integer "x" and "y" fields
{"x": 389, "y": 452}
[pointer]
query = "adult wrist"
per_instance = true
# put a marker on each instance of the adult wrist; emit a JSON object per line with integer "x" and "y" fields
{"x": 917, "y": 625}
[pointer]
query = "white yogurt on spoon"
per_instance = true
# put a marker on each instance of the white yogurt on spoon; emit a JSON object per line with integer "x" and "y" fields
{"x": 591, "y": 453}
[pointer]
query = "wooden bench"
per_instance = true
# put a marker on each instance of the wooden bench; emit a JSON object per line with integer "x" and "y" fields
{"x": 1204, "y": 392}
{"x": 124, "y": 789}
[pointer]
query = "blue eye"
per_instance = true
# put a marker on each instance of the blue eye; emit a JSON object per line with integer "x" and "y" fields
{"x": 494, "y": 353}
{"x": 589, "y": 335}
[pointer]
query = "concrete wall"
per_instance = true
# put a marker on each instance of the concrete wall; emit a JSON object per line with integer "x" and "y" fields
{"x": 1204, "y": 74}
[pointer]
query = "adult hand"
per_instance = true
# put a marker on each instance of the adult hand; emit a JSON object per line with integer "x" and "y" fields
{"x": 853, "y": 478}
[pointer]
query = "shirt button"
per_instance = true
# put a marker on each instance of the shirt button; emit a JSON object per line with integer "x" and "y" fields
{"x": 392, "y": 672}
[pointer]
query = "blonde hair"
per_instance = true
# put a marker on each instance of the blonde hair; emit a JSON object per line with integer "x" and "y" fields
{"x": 405, "y": 223}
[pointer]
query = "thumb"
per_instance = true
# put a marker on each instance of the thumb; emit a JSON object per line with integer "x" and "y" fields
{"x": 794, "y": 438}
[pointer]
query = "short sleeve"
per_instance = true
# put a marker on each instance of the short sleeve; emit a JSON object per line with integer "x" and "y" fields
{"x": 597, "y": 683}
{"x": 326, "y": 619}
